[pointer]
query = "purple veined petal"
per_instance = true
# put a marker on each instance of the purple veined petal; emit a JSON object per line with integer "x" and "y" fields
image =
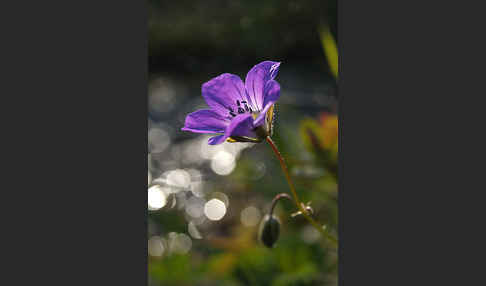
{"x": 205, "y": 121}
{"x": 256, "y": 79}
{"x": 241, "y": 125}
{"x": 222, "y": 92}
{"x": 271, "y": 95}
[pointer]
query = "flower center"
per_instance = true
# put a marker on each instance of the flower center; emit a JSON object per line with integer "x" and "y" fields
{"x": 241, "y": 107}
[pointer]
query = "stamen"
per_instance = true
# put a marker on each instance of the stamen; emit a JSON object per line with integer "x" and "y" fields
{"x": 246, "y": 106}
{"x": 231, "y": 111}
{"x": 240, "y": 110}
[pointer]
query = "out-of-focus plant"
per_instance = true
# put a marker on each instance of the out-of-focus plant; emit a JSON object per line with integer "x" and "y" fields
{"x": 330, "y": 50}
{"x": 321, "y": 139}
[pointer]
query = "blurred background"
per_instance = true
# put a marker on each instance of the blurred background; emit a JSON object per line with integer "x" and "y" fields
{"x": 205, "y": 203}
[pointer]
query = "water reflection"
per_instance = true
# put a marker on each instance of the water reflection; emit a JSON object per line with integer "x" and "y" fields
{"x": 162, "y": 95}
{"x": 214, "y": 209}
{"x": 193, "y": 231}
{"x": 195, "y": 207}
{"x": 156, "y": 198}
{"x": 156, "y": 246}
{"x": 178, "y": 178}
{"x": 223, "y": 163}
{"x": 158, "y": 140}
{"x": 179, "y": 243}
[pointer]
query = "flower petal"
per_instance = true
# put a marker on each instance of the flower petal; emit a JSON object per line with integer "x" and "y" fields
{"x": 216, "y": 140}
{"x": 241, "y": 125}
{"x": 222, "y": 92}
{"x": 271, "y": 95}
{"x": 256, "y": 79}
{"x": 205, "y": 121}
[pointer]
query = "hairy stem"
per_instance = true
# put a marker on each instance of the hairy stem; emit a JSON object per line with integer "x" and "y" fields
{"x": 297, "y": 201}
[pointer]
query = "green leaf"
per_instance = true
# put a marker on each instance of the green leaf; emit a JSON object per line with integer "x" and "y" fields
{"x": 330, "y": 49}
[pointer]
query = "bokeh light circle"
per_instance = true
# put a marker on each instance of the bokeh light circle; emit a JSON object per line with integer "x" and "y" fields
{"x": 215, "y": 209}
{"x": 223, "y": 163}
{"x": 156, "y": 198}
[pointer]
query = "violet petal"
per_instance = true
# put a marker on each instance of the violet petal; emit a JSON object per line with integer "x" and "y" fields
{"x": 241, "y": 125}
{"x": 222, "y": 92}
{"x": 216, "y": 140}
{"x": 256, "y": 79}
{"x": 271, "y": 95}
{"x": 205, "y": 121}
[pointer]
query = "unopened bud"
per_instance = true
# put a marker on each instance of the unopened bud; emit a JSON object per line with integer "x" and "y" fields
{"x": 269, "y": 230}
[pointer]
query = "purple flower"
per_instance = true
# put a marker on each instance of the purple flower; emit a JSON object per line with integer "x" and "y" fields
{"x": 238, "y": 112}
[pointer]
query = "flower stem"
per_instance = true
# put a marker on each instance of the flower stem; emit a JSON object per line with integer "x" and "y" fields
{"x": 297, "y": 201}
{"x": 275, "y": 200}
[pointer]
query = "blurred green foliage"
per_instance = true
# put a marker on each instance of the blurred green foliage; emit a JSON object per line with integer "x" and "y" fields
{"x": 330, "y": 49}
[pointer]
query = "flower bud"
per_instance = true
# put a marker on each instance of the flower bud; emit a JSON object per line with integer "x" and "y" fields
{"x": 269, "y": 230}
